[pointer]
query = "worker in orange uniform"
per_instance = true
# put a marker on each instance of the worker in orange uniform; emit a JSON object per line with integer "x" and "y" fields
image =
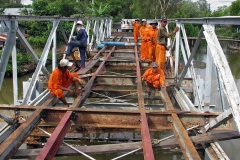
{"x": 136, "y": 28}
{"x": 145, "y": 36}
{"x": 61, "y": 79}
{"x": 153, "y": 43}
{"x": 154, "y": 77}
{"x": 161, "y": 48}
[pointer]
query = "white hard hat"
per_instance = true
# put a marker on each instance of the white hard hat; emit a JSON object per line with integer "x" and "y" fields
{"x": 80, "y": 22}
{"x": 65, "y": 62}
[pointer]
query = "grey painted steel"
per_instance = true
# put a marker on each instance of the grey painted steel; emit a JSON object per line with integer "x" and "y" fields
{"x": 190, "y": 64}
{"x": 54, "y": 59}
{"x": 227, "y": 20}
{"x": 31, "y": 51}
{"x": 229, "y": 86}
{"x": 40, "y": 64}
{"x": 6, "y": 131}
{"x": 191, "y": 57}
{"x": 208, "y": 78}
{"x": 220, "y": 86}
{"x": 40, "y": 99}
{"x": 183, "y": 105}
{"x": 63, "y": 33}
{"x": 10, "y": 41}
{"x": 14, "y": 72}
{"x": 69, "y": 38}
{"x": 184, "y": 56}
{"x": 177, "y": 52}
{"x": 44, "y": 18}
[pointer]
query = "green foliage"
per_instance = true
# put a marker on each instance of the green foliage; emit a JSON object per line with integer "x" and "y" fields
{"x": 235, "y": 8}
{"x": 224, "y": 32}
{"x": 221, "y": 11}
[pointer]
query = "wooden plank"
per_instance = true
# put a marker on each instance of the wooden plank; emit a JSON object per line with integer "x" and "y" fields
{"x": 102, "y": 149}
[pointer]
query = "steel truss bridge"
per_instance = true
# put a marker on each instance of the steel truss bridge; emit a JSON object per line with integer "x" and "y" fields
{"x": 114, "y": 99}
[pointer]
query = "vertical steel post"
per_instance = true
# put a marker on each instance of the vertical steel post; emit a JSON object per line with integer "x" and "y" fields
{"x": 14, "y": 70}
{"x": 54, "y": 50}
{"x": 177, "y": 52}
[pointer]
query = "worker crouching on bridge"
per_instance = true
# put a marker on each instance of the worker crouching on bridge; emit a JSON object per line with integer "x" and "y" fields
{"x": 154, "y": 77}
{"x": 81, "y": 43}
{"x": 161, "y": 47}
{"x": 61, "y": 79}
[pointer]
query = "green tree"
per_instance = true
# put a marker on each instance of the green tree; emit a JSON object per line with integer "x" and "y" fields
{"x": 235, "y": 8}
{"x": 221, "y": 11}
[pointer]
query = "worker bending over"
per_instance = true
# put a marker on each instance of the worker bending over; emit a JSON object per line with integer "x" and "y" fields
{"x": 61, "y": 79}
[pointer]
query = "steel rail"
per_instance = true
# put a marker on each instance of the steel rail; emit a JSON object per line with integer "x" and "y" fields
{"x": 146, "y": 138}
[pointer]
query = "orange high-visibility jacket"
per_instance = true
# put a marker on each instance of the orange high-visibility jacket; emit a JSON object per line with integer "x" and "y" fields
{"x": 144, "y": 33}
{"x": 155, "y": 78}
{"x": 136, "y": 28}
{"x": 57, "y": 79}
{"x": 153, "y": 34}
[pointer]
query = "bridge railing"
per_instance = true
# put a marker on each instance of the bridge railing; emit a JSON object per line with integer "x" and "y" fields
{"x": 98, "y": 28}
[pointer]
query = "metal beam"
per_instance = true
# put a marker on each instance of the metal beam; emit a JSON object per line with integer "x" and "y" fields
{"x": 191, "y": 57}
{"x": 31, "y": 52}
{"x": 123, "y": 147}
{"x": 10, "y": 41}
{"x": 186, "y": 145}
{"x": 44, "y": 18}
{"x": 40, "y": 64}
{"x": 14, "y": 141}
{"x": 146, "y": 138}
{"x": 226, "y": 78}
{"x": 51, "y": 147}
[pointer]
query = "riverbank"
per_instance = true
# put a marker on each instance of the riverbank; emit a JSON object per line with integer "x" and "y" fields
{"x": 28, "y": 66}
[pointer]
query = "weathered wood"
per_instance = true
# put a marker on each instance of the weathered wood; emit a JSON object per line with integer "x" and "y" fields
{"x": 101, "y": 149}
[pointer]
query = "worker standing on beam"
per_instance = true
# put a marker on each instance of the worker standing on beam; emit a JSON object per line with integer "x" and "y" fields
{"x": 153, "y": 43}
{"x": 145, "y": 37}
{"x": 154, "y": 77}
{"x": 61, "y": 79}
{"x": 161, "y": 48}
{"x": 80, "y": 41}
{"x": 136, "y": 28}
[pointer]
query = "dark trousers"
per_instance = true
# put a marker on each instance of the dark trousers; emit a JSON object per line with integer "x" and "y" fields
{"x": 82, "y": 50}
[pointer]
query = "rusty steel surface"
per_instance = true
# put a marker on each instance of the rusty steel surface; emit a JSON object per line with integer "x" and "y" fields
{"x": 50, "y": 148}
{"x": 14, "y": 141}
{"x": 123, "y": 147}
{"x": 146, "y": 138}
{"x": 188, "y": 149}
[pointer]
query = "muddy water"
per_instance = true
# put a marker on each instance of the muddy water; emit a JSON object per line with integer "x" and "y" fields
{"x": 230, "y": 147}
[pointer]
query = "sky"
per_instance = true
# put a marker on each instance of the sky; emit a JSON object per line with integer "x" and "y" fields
{"x": 214, "y": 3}
{"x": 26, "y": 2}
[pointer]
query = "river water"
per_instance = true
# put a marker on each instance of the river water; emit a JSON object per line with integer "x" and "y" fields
{"x": 231, "y": 147}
